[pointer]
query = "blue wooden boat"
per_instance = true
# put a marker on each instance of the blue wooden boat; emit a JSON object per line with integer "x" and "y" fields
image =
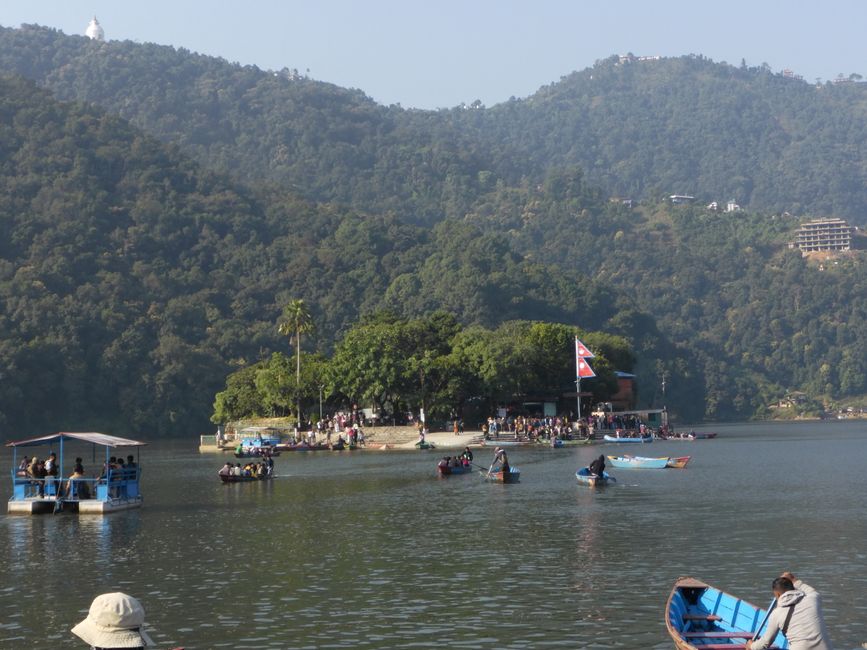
{"x": 587, "y": 478}
{"x": 610, "y": 438}
{"x": 638, "y": 462}
{"x": 701, "y": 617}
{"x": 449, "y": 471}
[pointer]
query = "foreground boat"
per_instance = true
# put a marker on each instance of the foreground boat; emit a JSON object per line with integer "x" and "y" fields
{"x": 610, "y": 438}
{"x": 233, "y": 478}
{"x": 678, "y": 463}
{"x": 701, "y": 617}
{"x": 638, "y": 462}
{"x": 585, "y": 477}
{"x": 512, "y": 476}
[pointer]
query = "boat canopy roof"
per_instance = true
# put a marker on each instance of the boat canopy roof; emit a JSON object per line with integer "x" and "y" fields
{"x": 102, "y": 439}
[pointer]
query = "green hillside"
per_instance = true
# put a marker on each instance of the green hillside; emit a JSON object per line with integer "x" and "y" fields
{"x": 141, "y": 264}
{"x": 132, "y": 281}
{"x": 641, "y": 130}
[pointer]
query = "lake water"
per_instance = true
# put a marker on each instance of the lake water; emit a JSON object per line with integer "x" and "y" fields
{"x": 371, "y": 550}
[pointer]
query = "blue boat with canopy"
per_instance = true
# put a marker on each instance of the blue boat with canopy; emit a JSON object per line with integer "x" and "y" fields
{"x": 701, "y": 617}
{"x": 116, "y": 487}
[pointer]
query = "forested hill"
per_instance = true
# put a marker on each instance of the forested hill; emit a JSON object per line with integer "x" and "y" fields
{"x": 640, "y": 130}
{"x": 647, "y": 129}
{"x": 132, "y": 281}
{"x": 325, "y": 142}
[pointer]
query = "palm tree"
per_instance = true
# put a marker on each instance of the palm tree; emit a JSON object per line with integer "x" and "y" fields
{"x": 296, "y": 319}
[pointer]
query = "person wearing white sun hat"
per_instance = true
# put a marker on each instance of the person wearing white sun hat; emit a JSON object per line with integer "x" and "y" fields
{"x": 114, "y": 621}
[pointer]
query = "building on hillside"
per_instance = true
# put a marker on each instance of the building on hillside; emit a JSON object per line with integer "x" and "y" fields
{"x": 94, "y": 30}
{"x": 713, "y": 206}
{"x": 823, "y": 235}
{"x": 732, "y": 206}
{"x": 680, "y": 199}
{"x": 624, "y": 399}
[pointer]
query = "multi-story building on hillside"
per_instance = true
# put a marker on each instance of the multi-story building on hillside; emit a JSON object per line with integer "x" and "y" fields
{"x": 824, "y": 235}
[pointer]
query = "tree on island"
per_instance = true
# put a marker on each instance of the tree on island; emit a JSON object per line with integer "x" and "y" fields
{"x": 294, "y": 321}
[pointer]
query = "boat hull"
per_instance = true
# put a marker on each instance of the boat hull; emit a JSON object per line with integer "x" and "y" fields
{"x": 586, "y": 478}
{"x": 637, "y": 462}
{"x": 697, "y": 615}
{"x": 513, "y": 476}
{"x": 451, "y": 471}
{"x": 678, "y": 463}
{"x": 243, "y": 479}
{"x": 506, "y": 443}
{"x": 609, "y": 438}
{"x": 255, "y": 455}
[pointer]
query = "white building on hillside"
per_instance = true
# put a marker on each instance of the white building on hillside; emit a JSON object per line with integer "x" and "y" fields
{"x": 94, "y": 30}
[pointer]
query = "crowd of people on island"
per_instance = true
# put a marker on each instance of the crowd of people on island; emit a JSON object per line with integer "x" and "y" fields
{"x": 534, "y": 428}
{"x": 45, "y": 475}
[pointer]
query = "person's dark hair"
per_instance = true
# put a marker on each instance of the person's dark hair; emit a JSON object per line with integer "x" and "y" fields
{"x": 782, "y": 585}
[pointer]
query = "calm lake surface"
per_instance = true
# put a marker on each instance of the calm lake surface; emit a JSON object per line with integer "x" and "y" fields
{"x": 371, "y": 550}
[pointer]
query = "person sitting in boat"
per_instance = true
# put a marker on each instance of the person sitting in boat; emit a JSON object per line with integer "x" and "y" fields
{"x": 444, "y": 463}
{"x": 226, "y": 470}
{"x": 798, "y": 616}
{"x": 75, "y": 487}
{"x": 468, "y": 454}
{"x": 269, "y": 466}
{"x": 500, "y": 457}
{"x": 597, "y": 467}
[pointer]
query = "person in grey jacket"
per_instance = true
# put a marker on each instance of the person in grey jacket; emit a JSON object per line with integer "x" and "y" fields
{"x": 798, "y": 616}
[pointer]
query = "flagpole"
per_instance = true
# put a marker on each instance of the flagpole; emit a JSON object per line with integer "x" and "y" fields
{"x": 578, "y": 379}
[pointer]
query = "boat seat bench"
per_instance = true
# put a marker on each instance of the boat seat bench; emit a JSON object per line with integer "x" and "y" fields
{"x": 701, "y": 617}
{"x": 729, "y": 646}
{"x": 717, "y": 635}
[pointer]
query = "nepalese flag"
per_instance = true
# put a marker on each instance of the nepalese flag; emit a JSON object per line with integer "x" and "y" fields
{"x": 582, "y": 351}
{"x": 584, "y": 370}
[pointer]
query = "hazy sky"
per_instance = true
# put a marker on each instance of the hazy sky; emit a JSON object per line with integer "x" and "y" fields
{"x": 437, "y": 53}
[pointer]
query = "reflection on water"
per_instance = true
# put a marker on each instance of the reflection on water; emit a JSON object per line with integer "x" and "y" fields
{"x": 373, "y": 551}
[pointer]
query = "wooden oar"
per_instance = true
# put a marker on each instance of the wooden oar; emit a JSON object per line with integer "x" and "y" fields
{"x": 764, "y": 620}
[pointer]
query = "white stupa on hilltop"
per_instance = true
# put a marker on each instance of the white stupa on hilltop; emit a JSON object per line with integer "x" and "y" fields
{"x": 94, "y": 30}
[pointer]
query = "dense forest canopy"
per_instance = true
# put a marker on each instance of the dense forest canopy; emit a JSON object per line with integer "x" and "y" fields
{"x": 642, "y": 130}
{"x": 152, "y": 233}
{"x": 132, "y": 280}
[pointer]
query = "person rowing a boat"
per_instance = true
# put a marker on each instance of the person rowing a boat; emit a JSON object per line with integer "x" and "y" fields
{"x": 597, "y": 467}
{"x": 798, "y": 616}
{"x": 500, "y": 457}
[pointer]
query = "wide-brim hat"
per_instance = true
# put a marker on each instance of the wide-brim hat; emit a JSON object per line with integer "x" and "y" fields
{"x": 115, "y": 620}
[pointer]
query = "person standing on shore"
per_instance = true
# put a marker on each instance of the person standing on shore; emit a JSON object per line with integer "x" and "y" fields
{"x": 798, "y": 616}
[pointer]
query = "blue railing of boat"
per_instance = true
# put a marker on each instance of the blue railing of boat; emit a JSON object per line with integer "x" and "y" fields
{"x": 117, "y": 484}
